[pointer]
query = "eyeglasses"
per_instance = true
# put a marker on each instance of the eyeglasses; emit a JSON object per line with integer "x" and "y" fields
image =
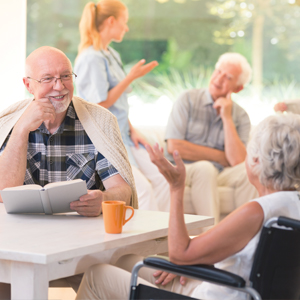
{"x": 63, "y": 78}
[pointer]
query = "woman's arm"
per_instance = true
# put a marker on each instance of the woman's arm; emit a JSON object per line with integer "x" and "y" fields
{"x": 225, "y": 239}
{"x": 136, "y": 136}
{"x": 138, "y": 70}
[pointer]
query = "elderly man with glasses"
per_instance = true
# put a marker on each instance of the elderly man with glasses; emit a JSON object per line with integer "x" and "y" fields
{"x": 57, "y": 137}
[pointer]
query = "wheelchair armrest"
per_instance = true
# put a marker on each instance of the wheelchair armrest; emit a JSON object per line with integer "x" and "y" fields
{"x": 288, "y": 222}
{"x": 202, "y": 272}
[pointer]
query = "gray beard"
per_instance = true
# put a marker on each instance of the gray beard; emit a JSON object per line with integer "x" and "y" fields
{"x": 60, "y": 106}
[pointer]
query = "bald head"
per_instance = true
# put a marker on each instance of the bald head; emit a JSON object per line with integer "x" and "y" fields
{"x": 42, "y": 55}
{"x": 44, "y": 70}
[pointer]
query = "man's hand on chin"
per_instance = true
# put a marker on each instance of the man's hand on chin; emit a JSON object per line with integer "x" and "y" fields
{"x": 35, "y": 114}
{"x": 223, "y": 105}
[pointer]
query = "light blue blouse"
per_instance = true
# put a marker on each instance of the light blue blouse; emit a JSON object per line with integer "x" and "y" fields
{"x": 98, "y": 72}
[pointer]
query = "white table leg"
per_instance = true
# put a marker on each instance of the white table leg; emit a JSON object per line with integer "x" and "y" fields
{"x": 29, "y": 281}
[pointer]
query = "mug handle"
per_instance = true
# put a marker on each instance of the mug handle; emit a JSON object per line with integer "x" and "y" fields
{"x": 126, "y": 220}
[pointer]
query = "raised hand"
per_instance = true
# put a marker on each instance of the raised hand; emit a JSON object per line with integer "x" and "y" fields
{"x": 140, "y": 69}
{"x": 175, "y": 175}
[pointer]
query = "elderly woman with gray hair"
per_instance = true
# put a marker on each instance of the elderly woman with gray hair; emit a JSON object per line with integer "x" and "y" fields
{"x": 273, "y": 167}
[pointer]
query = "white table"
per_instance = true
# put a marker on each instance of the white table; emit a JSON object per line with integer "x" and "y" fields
{"x": 35, "y": 249}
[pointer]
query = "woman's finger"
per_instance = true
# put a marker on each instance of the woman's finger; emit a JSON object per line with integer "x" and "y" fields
{"x": 178, "y": 160}
{"x": 161, "y": 278}
{"x": 157, "y": 273}
{"x": 168, "y": 278}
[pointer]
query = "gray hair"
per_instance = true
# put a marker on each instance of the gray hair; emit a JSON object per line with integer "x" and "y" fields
{"x": 275, "y": 146}
{"x": 237, "y": 59}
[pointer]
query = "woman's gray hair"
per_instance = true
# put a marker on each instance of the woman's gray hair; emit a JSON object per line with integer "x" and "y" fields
{"x": 237, "y": 59}
{"x": 274, "y": 152}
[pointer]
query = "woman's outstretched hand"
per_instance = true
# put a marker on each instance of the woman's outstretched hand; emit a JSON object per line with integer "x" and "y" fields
{"x": 175, "y": 175}
{"x": 140, "y": 69}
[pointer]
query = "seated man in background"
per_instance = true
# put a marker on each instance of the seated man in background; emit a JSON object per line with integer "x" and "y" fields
{"x": 58, "y": 137}
{"x": 210, "y": 132}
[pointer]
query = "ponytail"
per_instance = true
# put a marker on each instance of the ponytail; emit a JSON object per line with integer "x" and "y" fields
{"x": 89, "y": 34}
{"x": 92, "y": 18}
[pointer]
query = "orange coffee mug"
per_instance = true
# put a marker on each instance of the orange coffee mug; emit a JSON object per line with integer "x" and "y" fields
{"x": 114, "y": 215}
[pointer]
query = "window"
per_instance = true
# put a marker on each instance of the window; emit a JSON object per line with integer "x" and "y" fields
{"x": 187, "y": 37}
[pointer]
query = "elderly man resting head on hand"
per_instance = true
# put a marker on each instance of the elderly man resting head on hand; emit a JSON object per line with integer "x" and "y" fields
{"x": 57, "y": 137}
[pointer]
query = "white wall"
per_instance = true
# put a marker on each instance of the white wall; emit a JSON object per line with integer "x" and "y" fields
{"x": 12, "y": 51}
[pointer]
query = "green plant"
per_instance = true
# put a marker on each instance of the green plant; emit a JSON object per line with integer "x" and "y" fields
{"x": 175, "y": 58}
{"x": 171, "y": 83}
{"x": 271, "y": 92}
{"x": 280, "y": 90}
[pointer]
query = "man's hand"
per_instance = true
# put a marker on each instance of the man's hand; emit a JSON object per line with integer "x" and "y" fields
{"x": 137, "y": 138}
{"x": 280, "y": 106}
{"x": 223, "y": 105}
{"x": 13, "y": 160}
{"x": 89, "y": 205}
{"x": 175, "y": 175}
{"x": 165, "y": 278}
{"x": 35, "y": 114}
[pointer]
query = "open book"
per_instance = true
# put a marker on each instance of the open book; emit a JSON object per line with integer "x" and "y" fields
{"x": 52, "y": 198}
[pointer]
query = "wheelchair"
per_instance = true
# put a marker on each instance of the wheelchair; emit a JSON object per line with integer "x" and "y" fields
{"x": 275, "y": 273}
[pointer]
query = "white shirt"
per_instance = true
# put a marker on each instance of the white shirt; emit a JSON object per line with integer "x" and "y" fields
{"x": 285, "y": 204}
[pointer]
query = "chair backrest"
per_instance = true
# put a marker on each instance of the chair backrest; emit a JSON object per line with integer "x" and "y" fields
{"x": 275, "y": 272}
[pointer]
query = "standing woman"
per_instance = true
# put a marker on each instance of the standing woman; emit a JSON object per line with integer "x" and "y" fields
{"x": 102, "y": 80}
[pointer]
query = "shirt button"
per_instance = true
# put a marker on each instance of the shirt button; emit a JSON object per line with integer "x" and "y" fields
{"x": 51, "y": 162}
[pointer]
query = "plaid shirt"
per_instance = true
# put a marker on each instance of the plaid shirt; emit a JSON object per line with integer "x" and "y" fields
{"x": 65, "y": 155}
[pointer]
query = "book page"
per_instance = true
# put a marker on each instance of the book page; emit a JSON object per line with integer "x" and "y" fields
{"x": 22, "y": 201}
{"x": 24, "y": 187}
{"x": 60, "y": 183}
{"x": 62, "y": 195}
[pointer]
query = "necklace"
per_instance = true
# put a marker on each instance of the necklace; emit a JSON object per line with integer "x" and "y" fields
{"x": 114, "y": 57}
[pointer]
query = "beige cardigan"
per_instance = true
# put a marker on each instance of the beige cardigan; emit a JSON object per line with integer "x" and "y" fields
{"x": 100, "y": 125}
